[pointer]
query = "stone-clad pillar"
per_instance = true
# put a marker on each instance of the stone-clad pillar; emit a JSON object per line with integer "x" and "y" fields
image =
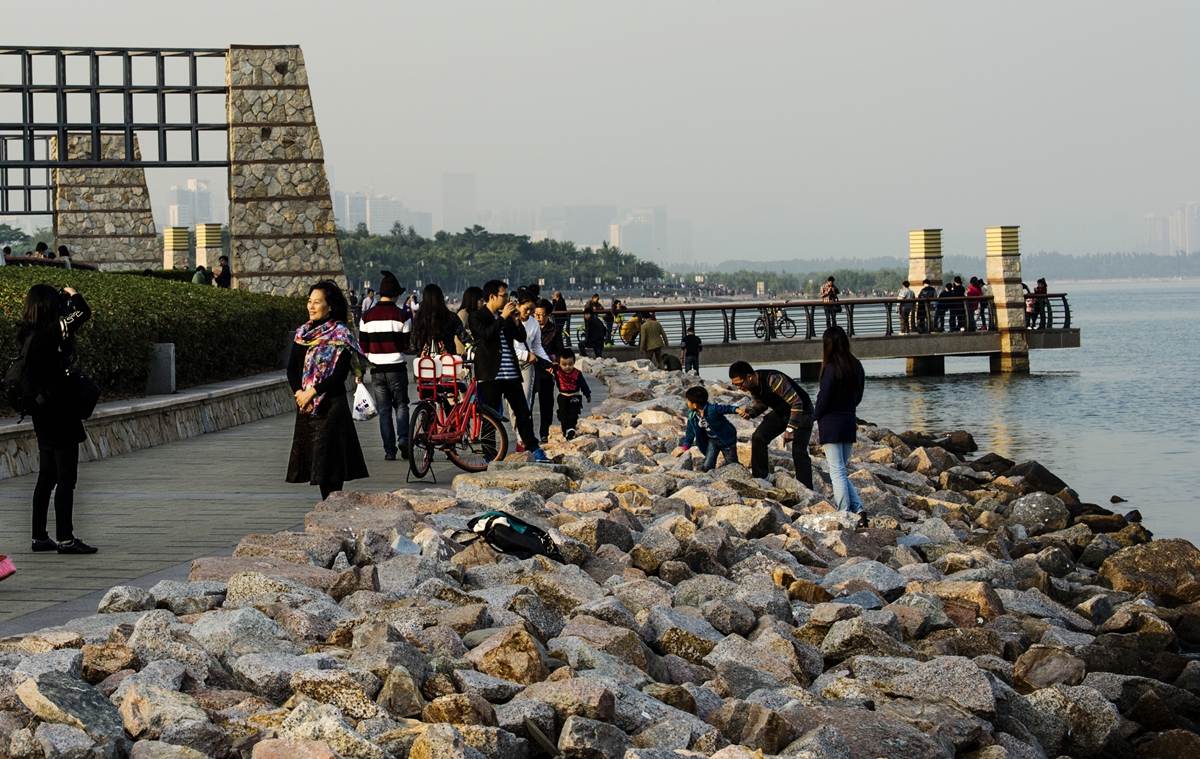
{"x": 282, "y": 232}
{"x": 103, "y": 214}
{"x": 924, "y": 257}
{"x": 925, "y": 263}
{"x": 1004, "y": 278}
{"x": 175, "y": 247}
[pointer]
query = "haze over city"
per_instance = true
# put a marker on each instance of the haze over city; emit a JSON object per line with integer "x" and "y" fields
{"x": 767, "y": 131}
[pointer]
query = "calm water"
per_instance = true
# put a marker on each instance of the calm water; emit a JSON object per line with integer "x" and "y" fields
{"x": 1120, "y": 415}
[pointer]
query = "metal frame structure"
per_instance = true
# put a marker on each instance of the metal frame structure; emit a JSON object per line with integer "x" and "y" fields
{"x": 25, "y": 145}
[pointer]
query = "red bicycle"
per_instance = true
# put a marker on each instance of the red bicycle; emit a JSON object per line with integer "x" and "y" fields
{"x": 449, "y": 416}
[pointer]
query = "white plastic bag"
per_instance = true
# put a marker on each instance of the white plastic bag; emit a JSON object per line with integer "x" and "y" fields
{"x": 364, "y": 405}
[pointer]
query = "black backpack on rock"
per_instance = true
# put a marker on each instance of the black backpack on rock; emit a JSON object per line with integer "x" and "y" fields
{"x": 516, "y": 537}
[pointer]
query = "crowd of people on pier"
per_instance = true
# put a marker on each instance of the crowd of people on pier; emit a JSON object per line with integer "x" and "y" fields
{"x": 521, "y": 347}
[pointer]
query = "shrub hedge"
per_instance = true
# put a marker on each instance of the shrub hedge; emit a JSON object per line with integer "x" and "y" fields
{"x": 218, "y": 334}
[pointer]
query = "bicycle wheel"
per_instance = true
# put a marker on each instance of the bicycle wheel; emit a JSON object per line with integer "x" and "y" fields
{"x": 491, "y": 445}
{"x": 786, "y": 327}
{"x": 420, "y": 457}
{"x": 760, "y": 328}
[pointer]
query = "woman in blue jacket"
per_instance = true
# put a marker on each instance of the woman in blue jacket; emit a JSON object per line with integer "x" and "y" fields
{"x": 708, "y": 428}
{"x": 835, "y": 411}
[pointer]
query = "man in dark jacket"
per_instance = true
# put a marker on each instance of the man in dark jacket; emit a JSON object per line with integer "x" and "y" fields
{"x": 958, "y": 309}
{"x": 927, "y": 294}
{"x": 594, "y": 333}
{"x": 495, "y": 327}
{"x": 789, "y": 409}
{"x": 561, "y": 317}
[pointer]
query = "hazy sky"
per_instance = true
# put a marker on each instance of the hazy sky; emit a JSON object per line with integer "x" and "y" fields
{"x": 781, "y": 129}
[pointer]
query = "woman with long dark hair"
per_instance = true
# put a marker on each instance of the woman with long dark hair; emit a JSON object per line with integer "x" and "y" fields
{"x": 435, "y": 327}
{"x": 835, "y": 411}
{"x": 325, "y": 448}
{"x": 472, "y": 301}
{"x": 47, "y": 336}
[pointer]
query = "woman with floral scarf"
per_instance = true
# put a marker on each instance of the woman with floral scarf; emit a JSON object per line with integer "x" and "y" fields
{"x": 325, "y": 449}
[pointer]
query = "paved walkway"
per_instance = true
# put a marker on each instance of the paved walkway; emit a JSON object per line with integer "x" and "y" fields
{"x": 151, "y": 512}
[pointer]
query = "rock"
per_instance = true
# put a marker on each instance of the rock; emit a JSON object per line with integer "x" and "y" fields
{"x": 67, "y": 661}
{"x": 1038, "y": 513}
{"x": 494, "y": 689}
{"x": 338, "y": 688}
{"x": 270, "y": 675}
{"x": 576, "y": 696}
{"x": 442, "y": 742}
{"x": 882, "y": 578}
{"x": 181, "y": 598}
{"x": 597, "y": 532}
{"x": 224, "y": 568}
{"x": 154, "y": 640}
{"x": 1043, "y": 666}
{"x": 690, "y": 638}
{"x": 564, "y": 588}
{"x": 1169, "y": 569}
{"x": 102, "y": 661}
{"x": 316, "y": 548}
{"x": 512, "y": 716}
{"x": 161, "y": 750}
{"x": 512, "y": 655}
{"x": 201, "y": 736}
{"x": 401, "y": 693}
{"x": 124, "y": 598}
{"x": 1170, "y": 745}
{"x": 952, "y": 678}
{"x": 1091, "y": 718}
{"x": 583, "y": 738}
{"x": 147, "y": 709}
{"x": 751, "y": 725}
{"x": 533, "y": 479}
{"x": 219, "y": 632}
{"x": 980, "y": 594}
{"x": 856, "y": 637}
{"x": 736, "y": 649}
{"x": 165, "y": 673}
{"x": 59, "y": 698}
{"x": 618, "y": 641}
{"x": 1038, "y": 477}
{"x": 460, "y": 709}
{"x": 1037, "y": 604}
{"x": 870, "y": 734}
{"x": 325, "y": 723}
{"x": 280, "y": 748}
{"x": 729, "y": 617}
{"x": 62, "y": 741}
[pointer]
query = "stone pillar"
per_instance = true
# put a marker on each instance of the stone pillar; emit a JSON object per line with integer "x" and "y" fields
{"x": 925, "y": 263}
{"x": 282, "y": 233}
{"x": 1004, "y": 278}
{"x": 175, "y": 247}
{"x": 208, "y": 245}
{"x": 924, "y": 257}
{"x": 103, "y": 214}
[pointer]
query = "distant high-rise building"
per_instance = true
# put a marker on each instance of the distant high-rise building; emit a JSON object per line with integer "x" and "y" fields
{"x": 512, "y": 222}
{"x": 381, "y": 213}
{"x": 458, "y": 202}
{"x": 642, "y": 232}
{"x": 588, "y": 226}
{"x": 190, "y": 204}
{"x": 1156, "y": 235}
{"x": 679, "y": 248}
{"x": 384, "y": 213}
{"x": 1185, "y": 228}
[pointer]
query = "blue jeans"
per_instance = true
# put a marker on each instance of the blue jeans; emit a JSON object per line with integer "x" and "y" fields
{"x": 690, "y": 363}
{"x": 844, "y": 495}
{"x": 391, "y": 396}
{"x": 710, "y": 455}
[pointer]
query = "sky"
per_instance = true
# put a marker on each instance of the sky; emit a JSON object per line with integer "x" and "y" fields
{"x": 782, "y": 130}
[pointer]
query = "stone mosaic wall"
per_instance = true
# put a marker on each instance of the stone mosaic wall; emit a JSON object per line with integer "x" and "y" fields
{"x": 281, "y": 223}
{"x": 149, "y": 422}
{"x": 104, "y": 213}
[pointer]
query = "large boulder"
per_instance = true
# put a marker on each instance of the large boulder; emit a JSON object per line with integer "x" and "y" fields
{"x": 1039, "y": 512}
{"x": 61, "y": 699}
{"x": 511, "y": 654}
{"x": 1092, "y": 719}
{"x": 1037, "y": 477}
{"x": 1169, "y": 569}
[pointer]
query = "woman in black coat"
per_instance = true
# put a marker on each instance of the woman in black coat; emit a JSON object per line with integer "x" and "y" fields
{"x": 325, "y": 448}
{"x": 836, "y": 415}
{"x": 47, "y": 336}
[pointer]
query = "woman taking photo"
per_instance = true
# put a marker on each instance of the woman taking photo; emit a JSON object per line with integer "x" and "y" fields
{"x": 435, "y": 329}
{"x": 325, "y": 449}
{"x": 48, "y": 328}
{"x": 835, "y": 412}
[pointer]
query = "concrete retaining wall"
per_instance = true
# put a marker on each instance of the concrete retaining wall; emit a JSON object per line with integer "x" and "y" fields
{"x": 124, "y": 426}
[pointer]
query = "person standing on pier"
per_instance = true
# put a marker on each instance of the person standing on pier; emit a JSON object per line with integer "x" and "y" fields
{"x": 47, "y": 332}
{"x": 593, "y": 333}
{"x": 829, "y": 294}
{"x": 692, "y": 345}
{"x": 384, "y": 331}
{"x": 790, "y": 413}
{"x": 907, "y": 309}
{"x": 926, "y": 296}
{"x": 325, "y": 448}
{"x": 561, "y": 317}
{"x": 495, "y": 328}
{"x": 842, "y": 383}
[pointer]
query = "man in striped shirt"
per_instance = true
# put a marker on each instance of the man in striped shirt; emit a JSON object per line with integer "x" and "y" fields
{"x": 790, "y": 409}
{"x": 383, "y": 336}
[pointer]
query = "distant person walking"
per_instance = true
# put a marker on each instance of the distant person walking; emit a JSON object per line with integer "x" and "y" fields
{"x": 224, "y": 276}
{"x": 384, "y": 333}
{"x": 47, "y": 335}
{"x": 653, "y": 339}
{"x": 692, "y": 345}
{"x": 842, "y": 383}
{"x": 789, "y": 411}
{"x": 369, "y": 300}
{"x": 908, "y": 309}
{"x": 325, "y": 448}
{"x": 593, "y": 333}
{"x": 829, "y": 295}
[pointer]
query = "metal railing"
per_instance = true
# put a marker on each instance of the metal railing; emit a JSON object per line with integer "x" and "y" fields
{"x": 807, "y": 319}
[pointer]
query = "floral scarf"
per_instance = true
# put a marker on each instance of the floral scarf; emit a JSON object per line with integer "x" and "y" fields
{"x": 325, "y": 341}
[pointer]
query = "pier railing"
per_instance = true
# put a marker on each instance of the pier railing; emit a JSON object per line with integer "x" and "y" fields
{"x": 767, "y": 321}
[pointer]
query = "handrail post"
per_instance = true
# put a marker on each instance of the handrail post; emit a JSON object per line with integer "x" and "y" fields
{"x": 733, "y": 324}
{"x": 769, "y": 323}
{"x": 725, "y": 322}
{"x": 810, "y": 327}
{"x": 888, "y": 331}
{"x": 682, "y": 327}
{"x": 849, "y": 319}
{"x": 1066, "y": 313}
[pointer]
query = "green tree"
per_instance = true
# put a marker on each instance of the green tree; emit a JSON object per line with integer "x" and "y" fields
{"x": 12, "y": 237}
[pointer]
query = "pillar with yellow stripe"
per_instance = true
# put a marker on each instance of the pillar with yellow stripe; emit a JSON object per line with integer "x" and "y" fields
{"x": 1004, "y": 278}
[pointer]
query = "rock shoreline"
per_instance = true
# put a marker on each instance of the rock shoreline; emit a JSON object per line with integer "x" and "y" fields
{"x": 984, "y": 612}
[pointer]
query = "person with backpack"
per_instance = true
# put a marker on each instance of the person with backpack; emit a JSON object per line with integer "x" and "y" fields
{"x": 789, "y": 411}
{"x": 50, "y": 394}
{"x": 926, "y": 296}
{"x": 842, "y": 383}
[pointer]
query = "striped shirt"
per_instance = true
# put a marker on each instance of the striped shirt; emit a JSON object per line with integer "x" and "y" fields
{"x": 382, "y": 336}
{"x": 508, "y": 365}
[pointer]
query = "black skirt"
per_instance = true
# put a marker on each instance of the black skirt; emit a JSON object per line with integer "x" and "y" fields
{"x": 325, "y": 447}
